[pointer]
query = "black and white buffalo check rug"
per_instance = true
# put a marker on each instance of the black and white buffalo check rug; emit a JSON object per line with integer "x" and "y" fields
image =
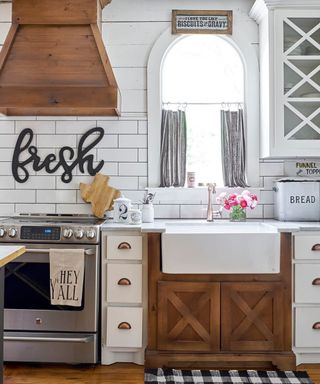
{"x": 176, "y": 376}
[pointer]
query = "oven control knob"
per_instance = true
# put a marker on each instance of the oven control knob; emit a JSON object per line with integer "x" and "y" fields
{"x": 12, "y": 232}
{"x": 2, "y": 232}
{"x": 67, "y": 233}
{"x": 91, "y": 234}
{"x": 79, "y": 234}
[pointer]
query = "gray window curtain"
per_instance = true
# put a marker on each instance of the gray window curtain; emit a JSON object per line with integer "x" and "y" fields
{"x": 173, "y": 148}
{"x": 233, "y": 148}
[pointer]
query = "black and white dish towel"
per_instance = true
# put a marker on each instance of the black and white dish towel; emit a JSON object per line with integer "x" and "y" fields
{"x": 176, "y": 376}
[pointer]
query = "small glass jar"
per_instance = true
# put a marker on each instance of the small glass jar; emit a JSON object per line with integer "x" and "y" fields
{"x": 237, "y": 213}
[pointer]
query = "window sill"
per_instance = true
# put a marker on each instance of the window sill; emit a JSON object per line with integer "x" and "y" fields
{"x": 197, "y": 195}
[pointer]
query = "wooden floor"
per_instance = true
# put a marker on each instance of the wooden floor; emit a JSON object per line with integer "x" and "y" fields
{"x": 117, "y": 373}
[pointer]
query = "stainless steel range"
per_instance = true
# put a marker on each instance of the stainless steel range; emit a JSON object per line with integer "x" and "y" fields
{"x": 35, "y": 330}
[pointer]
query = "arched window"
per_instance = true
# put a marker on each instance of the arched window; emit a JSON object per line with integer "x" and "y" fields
{"x": 203, "y": 74}
{"x": 237, "y": 65}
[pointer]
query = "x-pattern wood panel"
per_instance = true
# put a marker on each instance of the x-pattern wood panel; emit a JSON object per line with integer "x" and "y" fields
{"x": 191, "y": 309}
{"x": 260, "y": 325}
{"x": 189, "y": 316}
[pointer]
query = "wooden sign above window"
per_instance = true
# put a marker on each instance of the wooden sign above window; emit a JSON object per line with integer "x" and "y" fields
{"x": 189, "y": 21}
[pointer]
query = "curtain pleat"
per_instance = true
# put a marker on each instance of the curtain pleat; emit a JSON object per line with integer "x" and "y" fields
{"x": 173, "y": 148}
{"x": 233, "y": 148}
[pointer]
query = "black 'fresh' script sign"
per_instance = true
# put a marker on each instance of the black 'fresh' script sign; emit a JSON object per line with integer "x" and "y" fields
{"x": 52, "y": 163}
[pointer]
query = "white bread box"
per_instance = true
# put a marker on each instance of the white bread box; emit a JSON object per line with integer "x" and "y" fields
{"x": 297, "y": 199}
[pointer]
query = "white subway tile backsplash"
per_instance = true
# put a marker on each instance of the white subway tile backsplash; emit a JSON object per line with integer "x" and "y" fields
{"x": 38, "y": 182}
{"x": 256, "y": 213}
{"x": 193, "y": 211}
{"x": 108, "y": 141}
{"x": 266, "y": 197}
{"x": 268, "y": 211}
{"x": 119, "y": 126}
{"x": 268, "y": 182}
{"x": 135, "y": 196}
{"x": 56, "y": 141}
{"x": 142, "y": 127}
{"x": 74, "y": 127}
{"x": 272, "y": 169}
{"x": 74, "y": 208}
{"x": 38, "y": 127}
{"x": 143, "y": 155}
{"x": 6, "y": 182}
{"x": 6, "y": 154}
{"x": 123, "y": 183}
{"x": 17, "y": 196}
{"x": 57, "y": 196}
{"x": 133, "y": 141}
{"x": 5, "y": 168}
{"x": 8, "y": 141}
{"x": 35, "y": 208}
{"x": 166, "y": 211}
{"x": 133, "y": 169}
{"x": 75, "y": 182}
{"x": 124, "y": 146}
{"x": 109, "y": 169}
{"x": 116, "y": 154}
{"x": 7, "y": 209}
{"x": 143, "y": 182}
{"x": 6, "y": 127}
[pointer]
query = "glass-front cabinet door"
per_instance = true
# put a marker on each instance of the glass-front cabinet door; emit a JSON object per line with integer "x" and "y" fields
{"x": 297, "y": 83}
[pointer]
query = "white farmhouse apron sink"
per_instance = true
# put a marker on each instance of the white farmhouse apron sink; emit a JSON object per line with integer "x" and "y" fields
{"x": 220, "y": 247}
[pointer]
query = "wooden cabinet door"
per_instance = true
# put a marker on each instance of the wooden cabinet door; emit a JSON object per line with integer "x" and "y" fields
{"x": 252, "y": 316}
{"x": 188, "y": 316}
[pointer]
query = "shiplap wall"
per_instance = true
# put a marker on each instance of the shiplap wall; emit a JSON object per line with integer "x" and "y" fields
{"x": 130, "y": 29}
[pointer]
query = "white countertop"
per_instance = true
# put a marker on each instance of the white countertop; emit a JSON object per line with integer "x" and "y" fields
{"x": 160, "y": 225}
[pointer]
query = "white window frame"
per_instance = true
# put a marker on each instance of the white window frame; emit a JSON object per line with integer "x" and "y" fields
{"x": 248, "y": 55}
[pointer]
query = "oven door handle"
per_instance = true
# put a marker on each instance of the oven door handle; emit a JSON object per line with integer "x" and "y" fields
{"x": 88, "y": 252}
{"x": 86, "y": 339}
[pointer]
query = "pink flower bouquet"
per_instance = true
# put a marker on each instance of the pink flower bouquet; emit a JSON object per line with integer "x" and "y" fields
{"x": 237, "y": 204}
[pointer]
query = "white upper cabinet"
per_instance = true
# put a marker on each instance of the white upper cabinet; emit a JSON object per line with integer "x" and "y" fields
{"x": 290, "y": 78}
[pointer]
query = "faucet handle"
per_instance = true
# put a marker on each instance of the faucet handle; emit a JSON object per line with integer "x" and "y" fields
{"x": 212, "y": 187}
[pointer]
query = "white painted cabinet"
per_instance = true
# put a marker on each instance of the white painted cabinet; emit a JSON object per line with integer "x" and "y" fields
{"x": 290, "y": 77}
{"x": 124, "y": 297}
{"x": 306, "y": 305}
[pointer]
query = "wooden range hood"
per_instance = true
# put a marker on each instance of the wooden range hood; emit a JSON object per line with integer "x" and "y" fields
{"x": 53, "y": 62}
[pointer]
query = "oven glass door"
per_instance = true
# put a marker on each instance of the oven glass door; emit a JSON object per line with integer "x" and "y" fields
{"x": 27, "y": 293}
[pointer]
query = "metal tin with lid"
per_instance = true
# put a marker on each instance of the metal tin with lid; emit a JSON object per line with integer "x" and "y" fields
{"x": 297, "y": 199}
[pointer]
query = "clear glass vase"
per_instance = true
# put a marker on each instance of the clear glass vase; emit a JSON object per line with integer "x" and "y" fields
{"x": 238, "y": 214}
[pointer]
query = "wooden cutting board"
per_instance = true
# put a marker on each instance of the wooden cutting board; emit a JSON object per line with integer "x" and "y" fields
{"x": 100, "y": 194}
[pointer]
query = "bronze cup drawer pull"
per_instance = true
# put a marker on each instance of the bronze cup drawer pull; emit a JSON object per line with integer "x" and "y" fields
{"x": 316, "y": 325}
{"x": 316, "y": 281}
{"x": 316, "y": 247}
{"x": 124, "y": 325}
{"x": 126, "y": 245}
{"x": 125, "y": 281}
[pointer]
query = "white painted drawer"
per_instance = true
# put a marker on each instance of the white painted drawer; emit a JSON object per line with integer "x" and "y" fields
{"x": 124, "y": 283}
{"x": 130, "y": 338}
{"x": 124, "y": 247}
{"x": 306, "y": 336}
{"x": 305, "y": 244}
{"x": 306, "y": 290}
